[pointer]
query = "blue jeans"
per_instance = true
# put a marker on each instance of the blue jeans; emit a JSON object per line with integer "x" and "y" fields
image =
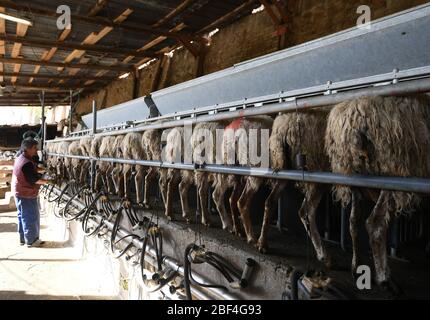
{"x": 28, "y": 219}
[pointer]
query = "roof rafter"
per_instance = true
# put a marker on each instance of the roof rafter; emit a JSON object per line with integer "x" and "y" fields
{"x": 71, "y": 45}
{"x": 135, "y": 27}
{"x": 67, "y": 65}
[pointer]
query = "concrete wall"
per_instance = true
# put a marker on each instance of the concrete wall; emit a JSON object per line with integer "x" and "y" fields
{"x": 250, "y": 37}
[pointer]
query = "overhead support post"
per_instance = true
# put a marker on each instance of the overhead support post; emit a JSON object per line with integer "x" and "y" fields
{"x": 94, "y": 131}
{"x": 69, "y": 131}
{"x": 43, "y": 124}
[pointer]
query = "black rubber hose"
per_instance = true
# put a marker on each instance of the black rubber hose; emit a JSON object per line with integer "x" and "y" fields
{"x": 66, "y": 207}
{"x": 187, "y": 270}
{"x": 294, "y": 279}
{"x": 225, "y": 264}
{"x": 163, "y": 282}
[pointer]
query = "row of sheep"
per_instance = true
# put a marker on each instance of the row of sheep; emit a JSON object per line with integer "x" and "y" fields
{"x": 386, "y": 136}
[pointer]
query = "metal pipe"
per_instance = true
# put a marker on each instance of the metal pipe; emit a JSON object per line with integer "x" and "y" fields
{"x": 298, "y": 104}
{"x": 70, "y": 112}
{"x": 43, "y": 128}
{"x": 94, "y": 117}
{"x": 415, "y": 185}
{"x": 168, "y": 261}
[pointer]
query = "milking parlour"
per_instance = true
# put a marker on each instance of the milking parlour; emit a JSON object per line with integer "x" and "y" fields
{"x": 226, "y": 151}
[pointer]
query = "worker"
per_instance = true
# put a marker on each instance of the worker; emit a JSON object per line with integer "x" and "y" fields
{"x": 26, "y": 181}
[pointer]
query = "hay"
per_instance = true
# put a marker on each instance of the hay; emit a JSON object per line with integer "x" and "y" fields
{"x": 382, "y": 136}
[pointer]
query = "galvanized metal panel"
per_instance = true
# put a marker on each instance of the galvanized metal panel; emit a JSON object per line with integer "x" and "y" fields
{"x": 129, "y": 111}
{"x": 401, "y": 41}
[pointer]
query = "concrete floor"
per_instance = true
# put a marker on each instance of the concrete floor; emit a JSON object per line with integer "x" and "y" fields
{"x": 55, "y": 272}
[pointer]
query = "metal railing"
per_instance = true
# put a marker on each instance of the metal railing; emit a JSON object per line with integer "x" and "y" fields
{"x": 296, "y": 104}
{"x": 416, "y": 185}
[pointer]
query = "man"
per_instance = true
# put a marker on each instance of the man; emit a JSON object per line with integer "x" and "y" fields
{"x": 26, "y": 182}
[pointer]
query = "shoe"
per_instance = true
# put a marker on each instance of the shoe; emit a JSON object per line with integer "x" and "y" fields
{"x": 37, "y": 243}
{"x": 21, "y": 243}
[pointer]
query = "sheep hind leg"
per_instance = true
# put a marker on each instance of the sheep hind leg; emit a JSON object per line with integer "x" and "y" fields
{"x": 203, "y": 189}
{"x": 149, "y": 178}
{"x": 111, "y": 185}
{"x": 162, "y": 183}
{"x": 218, "y": 195}
{"x": 377, "y": 226}
{"x": 269, "y": 206}
{"x": 244, "y": 205}
{"x": 354, "y": 223}
{"x": 235, "y": 214}
{"x": 138, "y": 180}
{"x": 307, "y": 214}
{"x": 172, "y": 181}
{"x": 127, "y": 175}
{"x": 184, "y": 188}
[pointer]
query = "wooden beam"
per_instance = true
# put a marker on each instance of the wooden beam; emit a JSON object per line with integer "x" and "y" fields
{"x": 135, "y": 27}
{"x": 175, "y": 12}
{"x": 158, "y": 40}
{"x": 67, "y": 65}
{"x": 13, "y": 102}
{"x": 63, "y": 36}
{"x": 44, "y": 86}
{"x": 55, "y": 76}
{"x": 100, "y": 4}
{"x": 248, "y": 4}
{"x": 147, "y": 46}
{"x": 282, "y": 9}
{"x": 276, "y": 20}
{"x": 70, "y": 45}
{"x": 21, "y": 30}
{"x": 95, "y": 37}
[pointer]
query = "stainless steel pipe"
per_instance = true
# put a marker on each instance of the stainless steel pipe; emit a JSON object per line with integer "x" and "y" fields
{"x": 416, "y": 185}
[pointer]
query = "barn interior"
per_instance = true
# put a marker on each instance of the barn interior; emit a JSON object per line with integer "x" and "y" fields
{"x": 105, "y": 75}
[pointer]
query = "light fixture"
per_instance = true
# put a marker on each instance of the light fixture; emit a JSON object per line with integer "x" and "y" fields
{"x": 125, "y": 75}
{"x": 16, "y": 19}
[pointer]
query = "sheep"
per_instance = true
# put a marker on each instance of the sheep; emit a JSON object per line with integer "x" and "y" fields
{"x": 293, "y": 134}
{"x": 61, "y": 168}
{"x": 72, "y": 164}
{"x": 93, "y": 151}
{"x": 383, "y": 136}
{"x": 151, "y": 143}
{"x": 104, "y": 169}
{"x": 172, "y": 153}
{"x": 51, "y": 161}
{"x": 132, "y": 149}
{"x": 203, "y": 144}
{"x": 235, "y": 138}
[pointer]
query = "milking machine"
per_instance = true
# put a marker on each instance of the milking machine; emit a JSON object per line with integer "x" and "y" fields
{"x": 195, "y": 254}
{"x": 313, "y": 285}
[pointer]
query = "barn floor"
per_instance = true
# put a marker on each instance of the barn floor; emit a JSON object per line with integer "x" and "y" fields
{"x": 54, "y": 272}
